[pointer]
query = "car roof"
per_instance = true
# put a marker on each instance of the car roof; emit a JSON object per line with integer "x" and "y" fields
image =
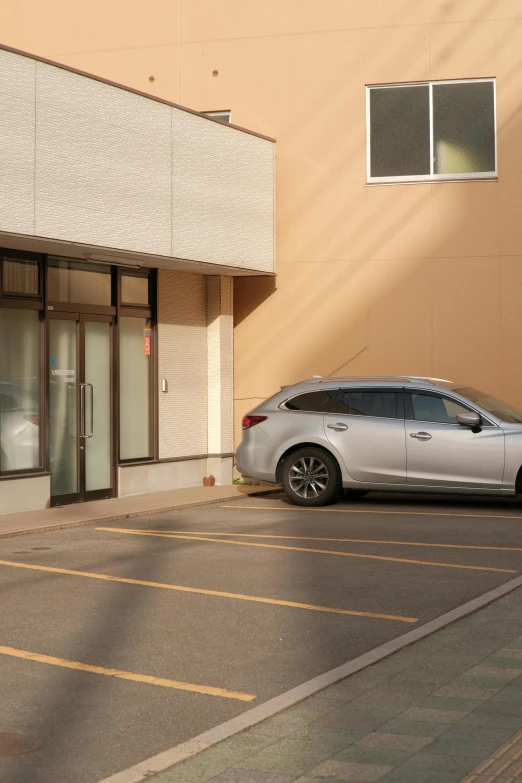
{"x": 378, "y": 380}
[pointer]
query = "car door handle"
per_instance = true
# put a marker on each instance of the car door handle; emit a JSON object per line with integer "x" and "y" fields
{"x": 420, "y": 435}
{"x": 338, "y": 427}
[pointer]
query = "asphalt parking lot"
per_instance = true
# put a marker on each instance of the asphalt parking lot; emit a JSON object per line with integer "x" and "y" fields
{"x": 204, "y": 613}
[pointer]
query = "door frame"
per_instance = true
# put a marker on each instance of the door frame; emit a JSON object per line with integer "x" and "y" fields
{"x": 81, "y": 318}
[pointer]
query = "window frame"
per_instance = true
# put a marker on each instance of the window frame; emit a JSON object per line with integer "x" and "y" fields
{"x": 409, "y": 411}
{"x": 17, "y": 299}
{"x": 42, "y": 468}
{"x": 350, "y": 390}
{"x": 130, "y": 308}
{"x": 138, "y": 311}
{"x": 484, "y": 176}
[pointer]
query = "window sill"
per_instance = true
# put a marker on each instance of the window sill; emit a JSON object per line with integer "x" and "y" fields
{"x": 429, "y": 181}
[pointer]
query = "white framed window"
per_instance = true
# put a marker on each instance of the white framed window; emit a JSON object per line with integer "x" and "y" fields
{"x": 431, "y": 131}
{"x": 222, "y": 116}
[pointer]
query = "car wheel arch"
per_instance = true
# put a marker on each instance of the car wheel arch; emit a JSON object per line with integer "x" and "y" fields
{"x": 303, "y": 445}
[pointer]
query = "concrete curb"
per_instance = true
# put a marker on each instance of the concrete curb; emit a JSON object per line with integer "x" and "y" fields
{"x": 114, "y": 517}
{"x": 168, "y": 758}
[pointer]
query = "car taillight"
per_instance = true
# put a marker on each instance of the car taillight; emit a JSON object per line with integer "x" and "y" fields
{"x": 33, "y": 418}
{"x": 251, "y": 421}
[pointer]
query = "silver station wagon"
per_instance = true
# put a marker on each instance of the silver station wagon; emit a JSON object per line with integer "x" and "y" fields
{"x": 411, "y": 434}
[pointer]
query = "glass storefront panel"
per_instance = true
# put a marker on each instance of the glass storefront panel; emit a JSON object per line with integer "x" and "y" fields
{"x": 97, "y": 404}
{"x": 20, "y": 346}
{"x": 79, "y": 282}
{"x": 134, "y": 290}
{"x": 135, "y": 381}
{"x": 63, "y": 391}
{"x": 20, "y": 276}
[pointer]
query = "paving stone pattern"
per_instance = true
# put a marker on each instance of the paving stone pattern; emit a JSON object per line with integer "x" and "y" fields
{"x": 447, "y": 709}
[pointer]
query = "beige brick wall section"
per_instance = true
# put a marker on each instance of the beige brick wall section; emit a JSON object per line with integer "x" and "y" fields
{"x": 17, "y": 140}
{"x": 220, "y": 365}
{"x": 182, "y": 360}
{"x": 195, "y": 355}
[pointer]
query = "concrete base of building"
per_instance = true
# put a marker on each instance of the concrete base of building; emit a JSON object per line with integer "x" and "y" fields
{"x": 25, "y": 494}
{"x": 33, "y": 493}
{"x": 162, "y": 476}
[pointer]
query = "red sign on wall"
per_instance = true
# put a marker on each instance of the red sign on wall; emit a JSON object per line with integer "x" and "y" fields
{"x": 146, "y": 337}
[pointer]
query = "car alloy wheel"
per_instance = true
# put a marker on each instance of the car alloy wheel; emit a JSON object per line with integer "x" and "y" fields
{"x": 308, "y": 477}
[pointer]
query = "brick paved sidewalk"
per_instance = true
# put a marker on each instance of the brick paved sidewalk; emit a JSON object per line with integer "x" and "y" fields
{"x": 447, "y": 709}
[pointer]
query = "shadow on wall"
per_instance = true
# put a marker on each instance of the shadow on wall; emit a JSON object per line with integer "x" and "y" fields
{"x": 413, "y": 279}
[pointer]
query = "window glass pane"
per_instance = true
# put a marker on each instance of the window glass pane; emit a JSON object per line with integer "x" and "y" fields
{"x": 75, "y": 281}
{"x": 224, "y": 116}
{"x": 399, "y": 131}
{"x": 318, "y": 401}
{"x": 431, "y": 407}
{"x": 464, "y": 128}
{"x": 19, "y": 389}
{"x": 20, "y": 276}
{"x": 134, "y": 290}
{"x": 135, "y": 375}
{"x": 502, "y": 410}
{"x": 369, "y": 403}
{"x": 63, "y": 403}
{"x": 377, "y": 403}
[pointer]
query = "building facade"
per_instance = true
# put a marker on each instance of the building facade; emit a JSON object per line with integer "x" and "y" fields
{"x": 123, "y": 220}
{"x": 399, "y": 238}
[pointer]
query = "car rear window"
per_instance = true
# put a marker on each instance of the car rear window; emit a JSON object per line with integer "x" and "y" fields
{"x": 381, "y": 404}
{"x": 315, "y": 402}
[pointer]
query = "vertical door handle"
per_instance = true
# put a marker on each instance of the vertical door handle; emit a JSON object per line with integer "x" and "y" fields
{"x": 91, "y": 433}
{"x": 82, "y": 410}
{"x": 83, "y": 434}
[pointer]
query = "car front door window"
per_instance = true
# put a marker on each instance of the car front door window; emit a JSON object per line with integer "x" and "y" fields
{"x": 434, "y": 408}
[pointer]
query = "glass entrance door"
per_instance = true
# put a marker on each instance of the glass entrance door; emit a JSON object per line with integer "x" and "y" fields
{"x": 80, "y": 395}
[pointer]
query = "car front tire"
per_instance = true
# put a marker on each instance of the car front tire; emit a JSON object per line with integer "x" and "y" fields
{"x": 310, "y": 477}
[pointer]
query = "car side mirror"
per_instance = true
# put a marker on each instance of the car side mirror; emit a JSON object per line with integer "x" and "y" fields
{"x": 472, "y": 420}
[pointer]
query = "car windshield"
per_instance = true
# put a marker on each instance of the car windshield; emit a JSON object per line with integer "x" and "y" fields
{"x": 500, "y": 409}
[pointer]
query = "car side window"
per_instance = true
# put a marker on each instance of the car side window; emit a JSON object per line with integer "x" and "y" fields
{"x": 383, "y": 404}
{"x": 313, "y": 402}
{"x": 8, "y": 403}
{"x": 435, "y": 408}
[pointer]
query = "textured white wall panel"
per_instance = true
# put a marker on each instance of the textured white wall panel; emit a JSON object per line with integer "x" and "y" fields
{"x": 86, "y": 162}
{"x": 17, "y": 141}
{"x": 182, "y": 360}
{"x": 103, "y": 164}
{"x": 222, "y": 194}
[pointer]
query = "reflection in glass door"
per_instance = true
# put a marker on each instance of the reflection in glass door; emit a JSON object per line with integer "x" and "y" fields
{"x": 80, "y": 393}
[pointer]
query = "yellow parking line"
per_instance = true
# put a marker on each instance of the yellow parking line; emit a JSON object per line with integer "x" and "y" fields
{"x": 373, "y": 511}
{"x": 304, "y": 549}
{"x": 343, "y": 540}
{"x": 201, "y": 591}
{"x": 85, "y": 667}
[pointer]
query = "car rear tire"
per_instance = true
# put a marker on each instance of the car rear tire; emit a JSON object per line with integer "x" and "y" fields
{"x": 310, "y": 477}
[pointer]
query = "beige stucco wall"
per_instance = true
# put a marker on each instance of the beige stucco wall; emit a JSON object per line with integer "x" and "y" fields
{"x": 423, "y": 279}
